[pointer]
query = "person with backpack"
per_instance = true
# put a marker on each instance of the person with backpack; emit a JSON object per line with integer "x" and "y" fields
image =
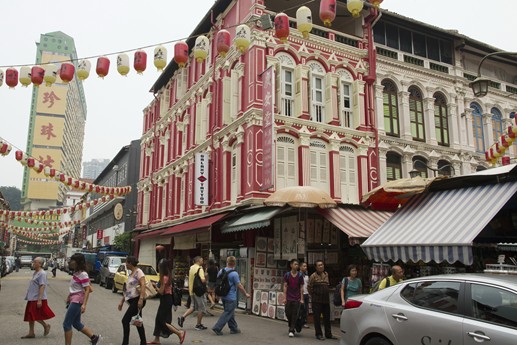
{"x": 197, "y": 291}
{"x": 397, "y": 276}
{"x": 293, "y": 292}
{"x": 351, "y": 285}
{"x": 228, "y": 282}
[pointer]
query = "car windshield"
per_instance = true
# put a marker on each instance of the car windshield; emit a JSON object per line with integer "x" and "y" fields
{"x": 148, "y": 270}
{"x": 115, "y": 262}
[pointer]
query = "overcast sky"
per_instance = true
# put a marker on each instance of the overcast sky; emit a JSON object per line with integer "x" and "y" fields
{"x": 115, "y": 104}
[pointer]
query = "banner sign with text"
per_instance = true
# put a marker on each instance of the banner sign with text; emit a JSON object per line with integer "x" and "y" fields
{"x": 268, "y": 127}
{"x": 201, "y": 179}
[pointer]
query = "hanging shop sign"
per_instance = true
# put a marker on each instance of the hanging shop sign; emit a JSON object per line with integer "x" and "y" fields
{"x": 268, "y": 120}
{"x": 201, "y": 179}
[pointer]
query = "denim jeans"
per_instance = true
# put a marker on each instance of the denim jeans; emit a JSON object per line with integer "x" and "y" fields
{"x": 73, "y": 317}
{"x": 227, "y": 317}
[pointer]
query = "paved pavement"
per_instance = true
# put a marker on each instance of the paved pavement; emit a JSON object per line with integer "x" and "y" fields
{"x": 103, "y": 317}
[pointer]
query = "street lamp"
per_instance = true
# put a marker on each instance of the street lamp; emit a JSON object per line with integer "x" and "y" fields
{"x": 480, "y": 85}
{"x": 414, "y": 173}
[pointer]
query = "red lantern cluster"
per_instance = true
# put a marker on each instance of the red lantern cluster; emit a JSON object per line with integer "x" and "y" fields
{"x": 498, "y": 149}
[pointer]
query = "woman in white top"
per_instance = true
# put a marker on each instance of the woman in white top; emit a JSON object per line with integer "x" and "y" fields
{"x": 37, "y": 309}
{"x": 134, "y": 299}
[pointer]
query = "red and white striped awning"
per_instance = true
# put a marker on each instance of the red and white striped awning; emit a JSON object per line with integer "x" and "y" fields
{"x": 355, "y": 221}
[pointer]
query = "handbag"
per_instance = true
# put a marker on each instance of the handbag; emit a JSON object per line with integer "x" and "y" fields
{"x": 150, "y": 291}
{"x": 137, "y": 320}
{"x": 176, "y": 296}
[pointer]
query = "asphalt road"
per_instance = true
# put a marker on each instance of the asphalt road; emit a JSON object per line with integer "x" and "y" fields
{"x": 103, "y": 317}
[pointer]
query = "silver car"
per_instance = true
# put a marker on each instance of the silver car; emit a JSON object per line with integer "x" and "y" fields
{"x": 436, "y": 310}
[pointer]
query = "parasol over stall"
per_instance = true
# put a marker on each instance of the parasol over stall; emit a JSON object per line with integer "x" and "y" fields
{"x": 393, "y": 194}
{"x": 300, "y": 196}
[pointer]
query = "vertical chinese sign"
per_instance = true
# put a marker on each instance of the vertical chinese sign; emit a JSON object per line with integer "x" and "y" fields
{"x": 201, "y": 179}
{"x": 268, "y": 127}
{"x": 48, "y": 132}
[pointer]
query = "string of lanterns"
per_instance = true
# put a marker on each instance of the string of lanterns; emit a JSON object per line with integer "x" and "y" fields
{"x": 35, "y": 235}
{"x": 74, "y": 183}
{"x": 40, "y": 241}
{"x": 41, "y": 229}
{"x": 48, "y": 73}
{"x": 56, "y": 211}
{"x": 498, "y": 149}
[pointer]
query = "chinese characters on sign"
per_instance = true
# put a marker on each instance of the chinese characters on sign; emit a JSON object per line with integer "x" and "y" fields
{"x": 50, "y": 97}
{"x": 268, "y": 123}
{"x": 201, "y": 179}
{"x": 47, "y": 162}
{"x": 48, "y": 131}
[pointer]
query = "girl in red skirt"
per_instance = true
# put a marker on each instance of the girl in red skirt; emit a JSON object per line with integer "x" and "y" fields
{"x": 37, "y": 308}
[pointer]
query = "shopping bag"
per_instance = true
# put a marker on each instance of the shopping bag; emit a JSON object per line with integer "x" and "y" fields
{"x": 137, "y": 320}
{"x": 300, "y": 318}
{"x": 150, "y": 290}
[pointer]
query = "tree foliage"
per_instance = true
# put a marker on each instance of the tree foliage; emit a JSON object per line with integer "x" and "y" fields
{"x": 123, "y": 242}
{"x": 13, "y": 195}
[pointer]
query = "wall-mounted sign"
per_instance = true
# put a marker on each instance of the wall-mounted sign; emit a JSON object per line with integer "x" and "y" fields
{"x": 201, "y": 179}
{"x": 99, "y": 234}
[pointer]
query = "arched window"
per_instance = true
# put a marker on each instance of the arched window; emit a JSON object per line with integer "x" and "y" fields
{"x": 497, "y": 124}
{"x": 390, "y": 108}
{"x": 416, "y": 114}
{"x": 286, "y": 84}
{"x": 317, "y": 92}
{"x": 345, "y": 99}
{"x": 420, "y": 164}
{"x": 477, "y": 127}
{"x": 445, "y": 168}
{"x": 393, "y": 166}
{"x": 286, "y": 158}
{"x": 441, "y": 125}
{"x": 348, "y": 175}
{"x": 319, "y": 171}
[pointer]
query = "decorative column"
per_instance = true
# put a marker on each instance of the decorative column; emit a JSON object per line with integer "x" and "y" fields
{"x": 304, "y": 168}
{"x": 404, "y": 116}
{"x": 430, "y": 127}
{"x": 335, "y": 176}
{"x": 379, "y": 106}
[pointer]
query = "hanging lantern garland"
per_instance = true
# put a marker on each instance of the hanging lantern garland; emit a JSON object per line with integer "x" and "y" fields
{"x": 68, "y": 180}
{"x": 41, "y": 229}
{"x": 34, "y": 235}
{"x": 498, "y": 149}
{"x": 36, "y": 75}
{"x": 40, "y": 241}
{"x": 5, "y": 148}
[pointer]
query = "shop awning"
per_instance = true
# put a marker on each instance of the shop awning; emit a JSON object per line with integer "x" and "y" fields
{"x": 198, "y": 225}
{"x": 356, "y": 222}
{"x": 149, "y": 234}
{"x": 254, "y": 220}
{"x": 439, "y": 226}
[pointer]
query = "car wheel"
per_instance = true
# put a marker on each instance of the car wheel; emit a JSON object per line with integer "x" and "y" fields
{"x": 377, "y": 341}
{"x": 114, "y": 288}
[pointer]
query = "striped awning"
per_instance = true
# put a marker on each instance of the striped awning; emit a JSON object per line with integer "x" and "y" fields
{"x": 439, "y": 226}
{"x": 356, "y": 222}
{"x": 254, "y": 220}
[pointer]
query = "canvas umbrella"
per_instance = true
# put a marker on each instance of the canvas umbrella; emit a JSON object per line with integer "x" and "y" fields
{"x": 300, "y": 196}
{"x": 391, "y": 195}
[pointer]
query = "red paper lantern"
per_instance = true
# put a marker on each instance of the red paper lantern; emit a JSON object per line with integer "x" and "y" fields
{"x": 30, "y": 162}
{"x": 504, "y": 142}
{"x": 223, "y": 42}
{"x": 62, "y": 177}
{"x": 18, "y": 155}
{"x": 37, "y": 75}
{"x": 97, "y": 189}
{"x": 76, "y": 183}
{"x": 282, "y": 27}
{"x": 11, "y": 77}
{"x": 140, "y": 62}
{"x": 103, "y": 66}
{"x": 181, "y": 54}
{"x": 328, "y": 11}
{"x": 66, "y": 72}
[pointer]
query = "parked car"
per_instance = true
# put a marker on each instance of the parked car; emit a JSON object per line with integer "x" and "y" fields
{"x": 445, "y": 309}
{"x": 26, "y": 261}
{"x": 120, "y": 279}
{"x": 108, "y": 270}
